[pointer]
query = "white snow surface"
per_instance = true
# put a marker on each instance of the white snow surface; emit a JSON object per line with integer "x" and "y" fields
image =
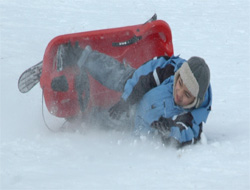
{"x": 32, "y": 157}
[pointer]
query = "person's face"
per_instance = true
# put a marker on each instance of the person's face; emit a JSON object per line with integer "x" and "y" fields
{"x": 183, "y": 96}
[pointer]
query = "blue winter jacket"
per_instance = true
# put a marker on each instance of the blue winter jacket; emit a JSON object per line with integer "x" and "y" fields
{"x": 151, "y": 88}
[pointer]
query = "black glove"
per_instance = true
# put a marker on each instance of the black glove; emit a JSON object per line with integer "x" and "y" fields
{"x": 163, "y": 125}
{"x": 120, "y": 107}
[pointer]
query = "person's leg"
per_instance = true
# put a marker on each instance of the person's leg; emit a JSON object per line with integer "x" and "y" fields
{"x": 105, "y": 69}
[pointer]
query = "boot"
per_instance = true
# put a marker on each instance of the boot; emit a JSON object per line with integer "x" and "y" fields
{"x": 68, "y": 55}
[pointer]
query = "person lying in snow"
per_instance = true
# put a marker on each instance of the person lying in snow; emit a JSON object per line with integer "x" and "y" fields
{"x": 172, "y": 96}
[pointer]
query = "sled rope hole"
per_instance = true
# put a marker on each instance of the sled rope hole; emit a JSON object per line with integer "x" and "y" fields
{"x": 44, "y": 120}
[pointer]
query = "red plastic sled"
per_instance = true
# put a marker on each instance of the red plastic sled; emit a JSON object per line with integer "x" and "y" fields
{"x": 136, "y": 44}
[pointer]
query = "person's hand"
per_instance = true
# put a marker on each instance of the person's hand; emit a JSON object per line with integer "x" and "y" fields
{"x": 163, "y": 125}
{"x": 120, "y": 107}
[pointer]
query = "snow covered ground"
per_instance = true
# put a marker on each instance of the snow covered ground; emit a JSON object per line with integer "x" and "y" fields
{"x": 32, "y": 157}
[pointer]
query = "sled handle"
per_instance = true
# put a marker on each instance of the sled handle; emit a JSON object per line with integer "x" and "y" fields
{"x": 133, "y": 40}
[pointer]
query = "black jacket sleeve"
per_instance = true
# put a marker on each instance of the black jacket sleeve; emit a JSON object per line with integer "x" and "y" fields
{"x": 149, "y": 81}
